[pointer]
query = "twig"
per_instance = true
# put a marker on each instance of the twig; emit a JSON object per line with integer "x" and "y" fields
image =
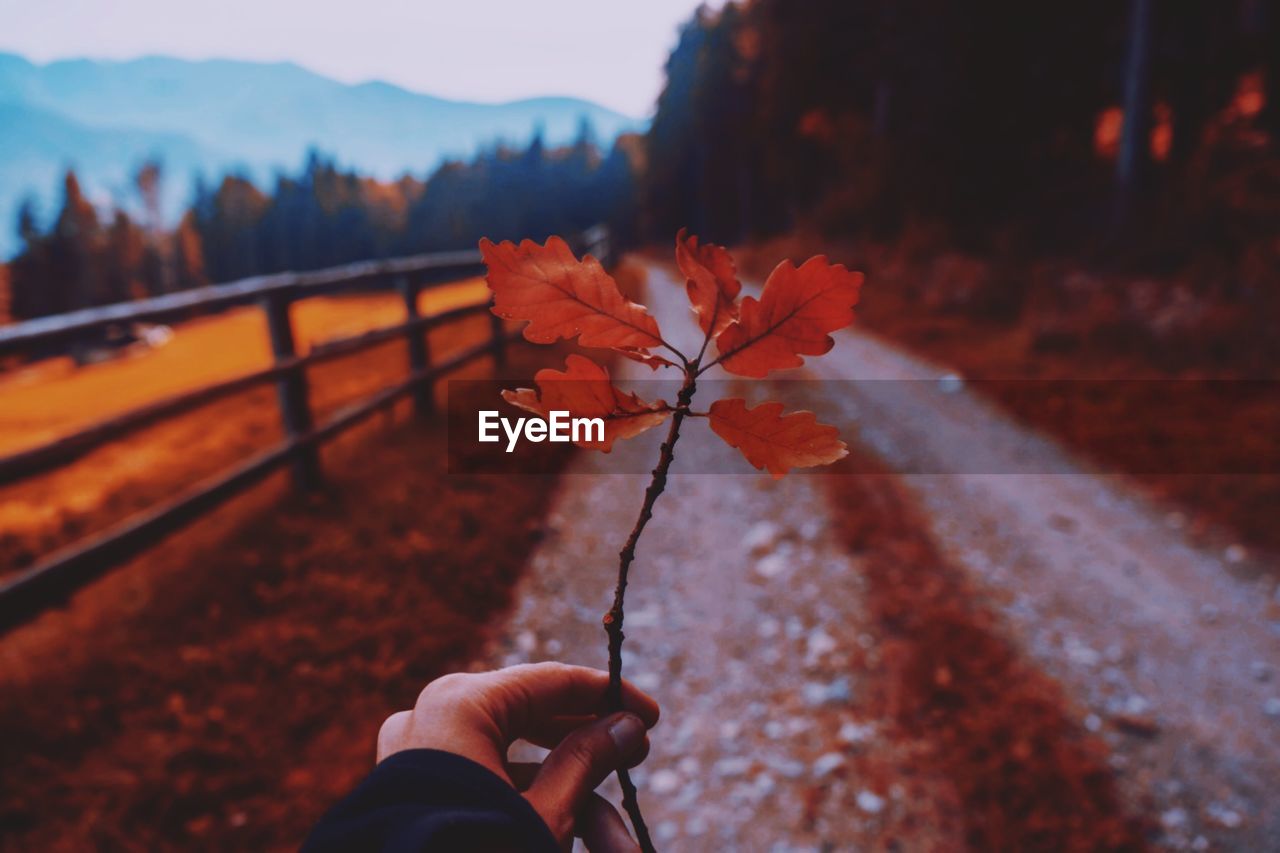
{"x": 613, "y": 619}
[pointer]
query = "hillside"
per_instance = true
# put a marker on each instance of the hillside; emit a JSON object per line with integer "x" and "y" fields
{"x": 104, "y": 117}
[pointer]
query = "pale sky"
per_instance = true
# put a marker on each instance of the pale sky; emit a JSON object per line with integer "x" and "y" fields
{"x": 609, "y": 51}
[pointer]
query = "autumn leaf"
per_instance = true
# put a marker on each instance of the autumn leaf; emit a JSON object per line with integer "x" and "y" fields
{"x": 563, "y": 297}
{"x": 770, "y": 439}
{"x": 583, "y": 390}
{"x": 645, "y": 358}
{"x": 713, "y": 284}
{"x": 797, "y": 310}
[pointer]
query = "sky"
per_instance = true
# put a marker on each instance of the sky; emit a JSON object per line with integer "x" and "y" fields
{"x": 608, "y": 51}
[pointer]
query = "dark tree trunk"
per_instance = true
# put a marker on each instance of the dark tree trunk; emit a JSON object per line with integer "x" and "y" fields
{"x": 1133, "y": 165}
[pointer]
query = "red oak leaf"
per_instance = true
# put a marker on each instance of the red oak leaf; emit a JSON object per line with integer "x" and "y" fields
{"x": 563, "y": 297}
{"x": 797, "y": 310}
{"x": 770, "y": 439}
{"x": 713, "y": 284}
{"x": 647, "y": 358}
{"x": 583, "y": 390}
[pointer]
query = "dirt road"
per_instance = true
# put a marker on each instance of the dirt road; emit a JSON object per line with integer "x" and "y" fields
{"x": 747, "y": 619}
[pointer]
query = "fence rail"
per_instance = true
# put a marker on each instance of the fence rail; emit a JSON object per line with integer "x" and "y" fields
{"x": 54, "y": 578}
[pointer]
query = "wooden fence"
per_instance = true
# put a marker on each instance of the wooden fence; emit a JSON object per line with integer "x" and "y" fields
{"x": 55, "y": 577}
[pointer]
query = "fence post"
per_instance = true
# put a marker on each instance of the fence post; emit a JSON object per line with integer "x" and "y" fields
{"x": 419, "y": 353}
{"x": 291, "y": 389}
{"x": 499, "y": 329}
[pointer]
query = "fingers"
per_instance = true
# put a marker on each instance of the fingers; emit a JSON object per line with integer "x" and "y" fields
{"x": 521, "y": 696}
{"x": 580, "y": 763}
{"x": 601, "y": 828}
{"x": 548, "y": 733}
{"x": 392, "y": 733}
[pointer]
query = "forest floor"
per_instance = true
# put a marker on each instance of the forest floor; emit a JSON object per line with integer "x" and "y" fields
{"x": 1007, "y": 652}
{"x": 221, "y": 690}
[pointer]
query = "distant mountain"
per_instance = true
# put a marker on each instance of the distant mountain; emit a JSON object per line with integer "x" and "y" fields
{"x": 104, "y": 118}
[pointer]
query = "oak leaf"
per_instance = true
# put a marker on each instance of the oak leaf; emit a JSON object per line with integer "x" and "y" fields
{"x": 797, "y": 310}
{"x": 563, "y": 297}
{"x": 769, "y": 439}
{"x": 583, "y": 390}
{"x": 712, "y": 282}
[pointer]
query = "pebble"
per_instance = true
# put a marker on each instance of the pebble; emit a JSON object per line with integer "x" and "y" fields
{"x": 855, "y": 733}
{"x": 761, "y": 537}
{"x": 1093, "y": 723}
{"x": 819, "y": 643}
{"x": 1271, "y": 707}
{"x": 664, "y": 781}
{"x": 526, "y": 642}
{"x": 730, "y": 729}
{"x": 1227, "y": 818}
{"x": 787, "y": 768}
{"x": 1175, "y": 521}
{"x": 1260, "y": 670}
{"x": 688, "y": 766}
{"x": 768, "y": 627}
{"x": 950, "y": 383}
{"x": 1209, "y": 614}
{"x": 836, "y": 692}
{"x": 870, "y": 802}
{"x": 666, "y": 831}
{"x": 1174, "y": 818}
{"x": 647, "y": 680}
{"x": 827, "y": 764}
{"x": 772, "y": 565}
{"x": 728, "y": 768}
{"x": 1235, "y": 554}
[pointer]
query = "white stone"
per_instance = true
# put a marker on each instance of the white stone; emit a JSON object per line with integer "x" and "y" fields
{"x": 856, "y": 732}
{"x": 761, "y": 537}
{"x": 870, "y": 803}
{"x": 664, "y": 781}
{"x": 728, "y": 768}
{"x": 772, "y": 565}
{"x": 827, "y": 764}
{"x": 819, "y": 643}
{"x": 1235, "y": 554}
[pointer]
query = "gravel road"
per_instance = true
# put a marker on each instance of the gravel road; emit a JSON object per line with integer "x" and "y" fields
{"x": 743, "y": 618}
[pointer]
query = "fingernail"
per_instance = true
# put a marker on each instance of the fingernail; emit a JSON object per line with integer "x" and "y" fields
{"x": 628, "y": 733}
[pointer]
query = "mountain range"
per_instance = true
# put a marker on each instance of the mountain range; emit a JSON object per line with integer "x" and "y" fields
{"x": 104, "y": 118}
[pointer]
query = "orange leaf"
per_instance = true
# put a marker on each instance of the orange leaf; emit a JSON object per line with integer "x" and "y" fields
{"x": 770, "y": 439}
{"x": 563, "y": 297}
{"x": 648, "y": 358}
{"x": 796, "y": 311}
{"x": 713, "y": 284}
{"x": 583, "y": 390}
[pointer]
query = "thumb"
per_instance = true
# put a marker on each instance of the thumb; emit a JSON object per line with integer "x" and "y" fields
{"x": 583, "y": 760}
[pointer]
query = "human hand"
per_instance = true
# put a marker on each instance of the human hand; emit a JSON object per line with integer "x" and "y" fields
{"x": 556, "y": 706}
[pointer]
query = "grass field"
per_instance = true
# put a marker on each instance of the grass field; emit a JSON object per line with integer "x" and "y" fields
{"x": 54, "y": 397}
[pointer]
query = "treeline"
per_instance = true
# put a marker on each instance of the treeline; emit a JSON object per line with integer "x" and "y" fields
{"x": 320, "y": 216}
{"x": 1053, "y": 122}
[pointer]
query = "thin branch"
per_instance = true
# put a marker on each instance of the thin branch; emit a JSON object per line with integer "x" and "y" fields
{"x": 613, "y": 619}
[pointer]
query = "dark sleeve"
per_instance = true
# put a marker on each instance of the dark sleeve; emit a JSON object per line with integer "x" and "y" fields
{"x": 426, "y": 799}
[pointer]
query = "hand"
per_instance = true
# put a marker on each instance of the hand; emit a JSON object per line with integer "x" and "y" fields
{"x": 552, "y": 705}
